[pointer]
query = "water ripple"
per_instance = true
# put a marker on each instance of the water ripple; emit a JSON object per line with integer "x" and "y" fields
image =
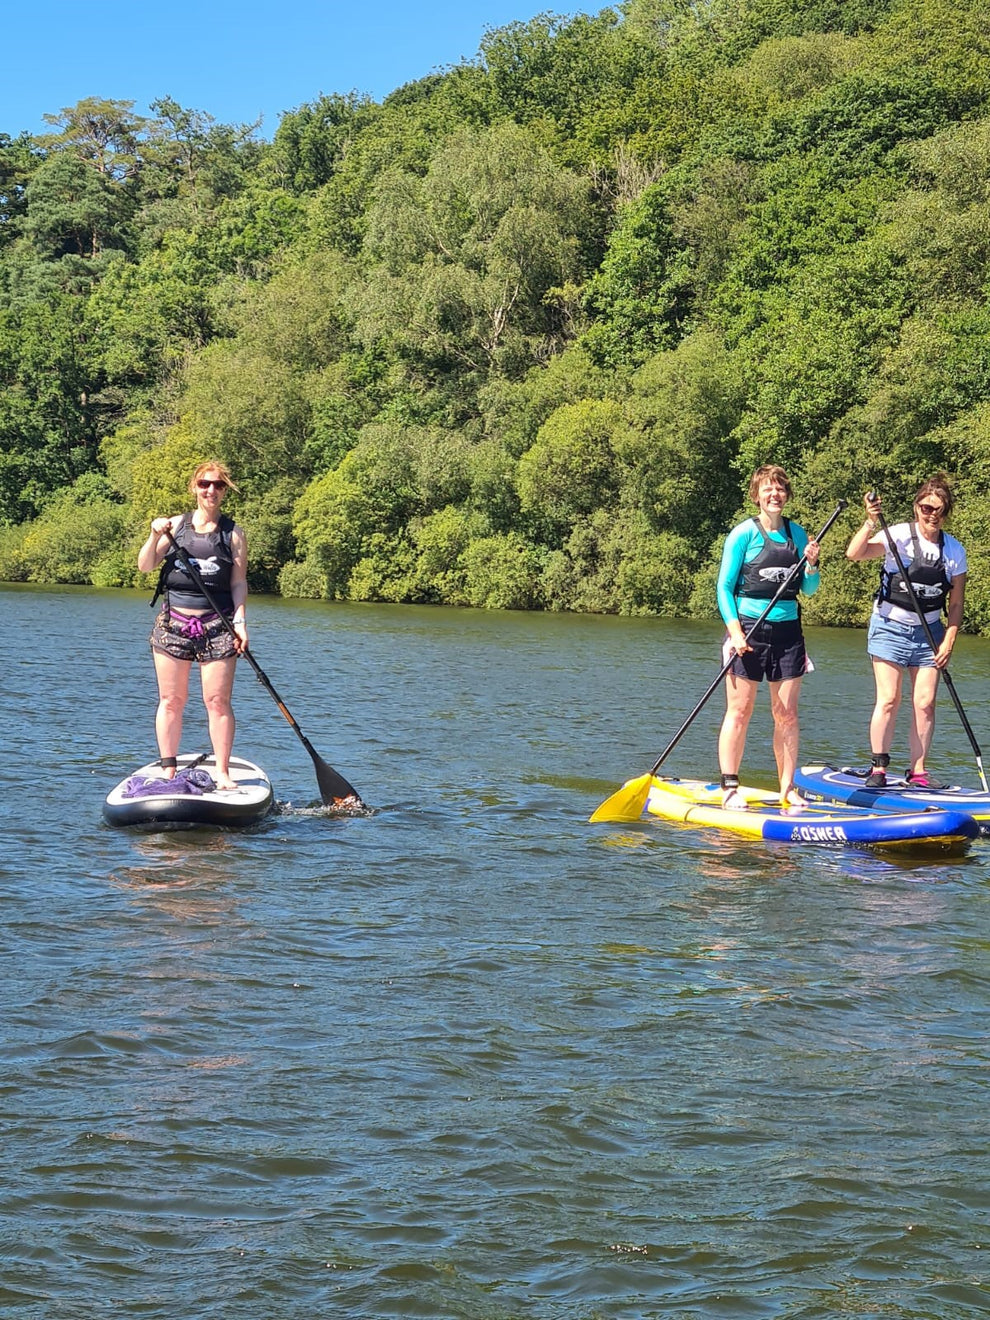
{"x": 469, "y": 1056}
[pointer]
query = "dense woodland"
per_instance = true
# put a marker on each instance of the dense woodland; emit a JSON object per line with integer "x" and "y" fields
{"x": 516, "y": 336}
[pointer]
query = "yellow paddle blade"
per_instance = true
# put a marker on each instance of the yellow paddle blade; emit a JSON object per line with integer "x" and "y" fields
{"x": 627, "y": 803}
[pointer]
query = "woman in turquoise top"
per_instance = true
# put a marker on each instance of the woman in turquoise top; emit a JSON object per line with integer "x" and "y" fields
{"x": 757, "y": 557}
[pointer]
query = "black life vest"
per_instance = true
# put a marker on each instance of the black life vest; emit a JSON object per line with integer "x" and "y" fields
{"x": 927, "y": 576}
{"x": 213, "y": 555}
{"x": 760, "y": 578}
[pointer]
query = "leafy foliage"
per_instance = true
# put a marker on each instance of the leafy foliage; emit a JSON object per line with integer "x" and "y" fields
{"x": 516, "y": 336}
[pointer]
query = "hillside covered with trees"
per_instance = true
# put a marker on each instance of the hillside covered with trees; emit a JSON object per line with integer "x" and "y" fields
{"x": 517, "y": 335}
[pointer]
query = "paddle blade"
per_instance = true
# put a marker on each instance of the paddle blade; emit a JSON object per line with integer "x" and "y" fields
{"x": 627, "y": 803}
{"x": 334, "y": 788}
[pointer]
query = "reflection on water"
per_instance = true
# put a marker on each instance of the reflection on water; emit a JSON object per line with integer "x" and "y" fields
{"x": 472, "y": 1056}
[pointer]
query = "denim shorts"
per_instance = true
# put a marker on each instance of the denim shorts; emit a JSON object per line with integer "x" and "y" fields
{"x": 211, "y": 641}
{"x": 778, "y": 653}
{"x": 903, "y": 644}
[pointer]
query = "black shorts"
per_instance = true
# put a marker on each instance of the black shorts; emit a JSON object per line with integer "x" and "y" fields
{"x": 172, "y": 636}
{"x": 778, "y": 653}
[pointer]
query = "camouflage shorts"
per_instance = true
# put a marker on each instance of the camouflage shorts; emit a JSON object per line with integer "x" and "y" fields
{"x": 182, "y": 639}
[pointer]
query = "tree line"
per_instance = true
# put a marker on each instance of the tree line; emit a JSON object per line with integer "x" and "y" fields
{"x": 516, "y": 336}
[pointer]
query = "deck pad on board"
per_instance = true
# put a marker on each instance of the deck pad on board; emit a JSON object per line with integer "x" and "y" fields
{"x": 249, "y": 802}
{"x": 825, "y": 783}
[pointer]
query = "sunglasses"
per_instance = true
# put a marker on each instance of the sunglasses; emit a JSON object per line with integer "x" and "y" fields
{"x": 205, "y": 485}
{"x": 931, "y": 510}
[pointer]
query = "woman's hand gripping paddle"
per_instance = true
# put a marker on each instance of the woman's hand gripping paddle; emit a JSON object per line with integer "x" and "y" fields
{"x": 896, "y": 554}
{"x": 335, "y": 791}
{"x": 628, "y": 803}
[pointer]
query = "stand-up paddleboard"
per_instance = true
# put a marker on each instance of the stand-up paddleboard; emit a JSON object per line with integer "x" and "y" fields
{"x": 694, "y": 802}
{"x": 824, "y": 783}
{"x": 147, "y": 799}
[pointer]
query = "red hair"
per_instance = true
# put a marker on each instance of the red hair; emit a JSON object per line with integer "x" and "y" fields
{"x": 220, "y": 469}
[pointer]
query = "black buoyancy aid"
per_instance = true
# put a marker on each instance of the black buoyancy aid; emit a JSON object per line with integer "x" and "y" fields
{"x": 214, "y": 557}
{"x": 761, "y": 578}
{"x": 928, "y": 577}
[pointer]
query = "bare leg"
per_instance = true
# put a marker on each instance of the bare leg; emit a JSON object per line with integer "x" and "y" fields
{"x": 888, "y": 678}
{"x": 740, "y": 698}
{"x": 924, "y": 684}
{"x": 173, "y": 689}
{"x": 218, "y": 684}
{"x": 784, "y": 698}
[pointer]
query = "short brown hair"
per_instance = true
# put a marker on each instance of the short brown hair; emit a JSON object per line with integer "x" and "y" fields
{"x": 768, "y": 472}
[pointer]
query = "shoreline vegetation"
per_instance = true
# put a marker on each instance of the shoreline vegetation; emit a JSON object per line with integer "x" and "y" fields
{"x": 516, "y": 336}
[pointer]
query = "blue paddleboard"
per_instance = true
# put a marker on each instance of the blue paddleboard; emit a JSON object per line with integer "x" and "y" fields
{"x": 824, "y": 783}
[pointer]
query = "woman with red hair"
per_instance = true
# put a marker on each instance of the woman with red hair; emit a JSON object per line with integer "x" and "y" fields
{"x": 189, "y": 628}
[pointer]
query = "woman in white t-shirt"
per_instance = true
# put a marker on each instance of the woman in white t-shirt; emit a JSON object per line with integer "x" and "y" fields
{"x": 897, "y": 642}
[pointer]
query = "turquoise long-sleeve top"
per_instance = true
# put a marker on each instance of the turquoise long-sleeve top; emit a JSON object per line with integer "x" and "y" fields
{"x": 742, "y": 545}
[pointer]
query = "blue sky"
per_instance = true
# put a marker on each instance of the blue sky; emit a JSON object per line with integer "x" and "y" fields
{"x": 235, "y": 61}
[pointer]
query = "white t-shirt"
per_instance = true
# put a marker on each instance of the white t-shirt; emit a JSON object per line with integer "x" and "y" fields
{"x": 954, "y": 557}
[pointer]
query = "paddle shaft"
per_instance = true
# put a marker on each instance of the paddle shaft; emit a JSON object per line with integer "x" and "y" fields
{"x": 333, "y": 786}
{"x": 728, "y": 664}
{"x": 919, "y": 610}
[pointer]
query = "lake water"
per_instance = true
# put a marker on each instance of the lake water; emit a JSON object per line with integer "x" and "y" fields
{"x": 473, "y": 1057}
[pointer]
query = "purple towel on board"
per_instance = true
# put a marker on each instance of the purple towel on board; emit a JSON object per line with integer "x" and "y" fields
{"x": 194, "y": 783}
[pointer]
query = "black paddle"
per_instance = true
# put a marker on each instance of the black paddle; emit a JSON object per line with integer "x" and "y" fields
{"x": 919, "y": 610}
{"x": 334, "y": 788}
{"x": 628, "y": 802}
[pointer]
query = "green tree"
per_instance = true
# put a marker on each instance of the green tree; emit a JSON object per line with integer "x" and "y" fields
{"x": 77, "y": 538}
{"x": 502, "y": 572}
{"x": 514, "y": 409}
{"x": 391, "y": 476}
{"x": 571, "y": 469}
{"x": 641, "y": 295}
{"x": 567, "y": 77}
{"x": 74, "y": 210}
{"x": 188, "y": 152}
{"x": 310, "y": 143}
{"x": 18, "y": 159}
{"x": 143, "y": 318}
{"x": 104, "y": 134}
{"x": 464, "y": 260}
{"x": 941, "y": 226}
{"x": 283, "y": 390}
{"x": 517, "y": 335}
{"x": 615, "y": 562}
{"x": 677, "y": 449}
{"x": 47, "y": 413}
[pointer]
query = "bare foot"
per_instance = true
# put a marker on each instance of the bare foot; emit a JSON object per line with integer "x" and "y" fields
{"x": 224, "y": 783}
{"x": 792, "y": 800}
